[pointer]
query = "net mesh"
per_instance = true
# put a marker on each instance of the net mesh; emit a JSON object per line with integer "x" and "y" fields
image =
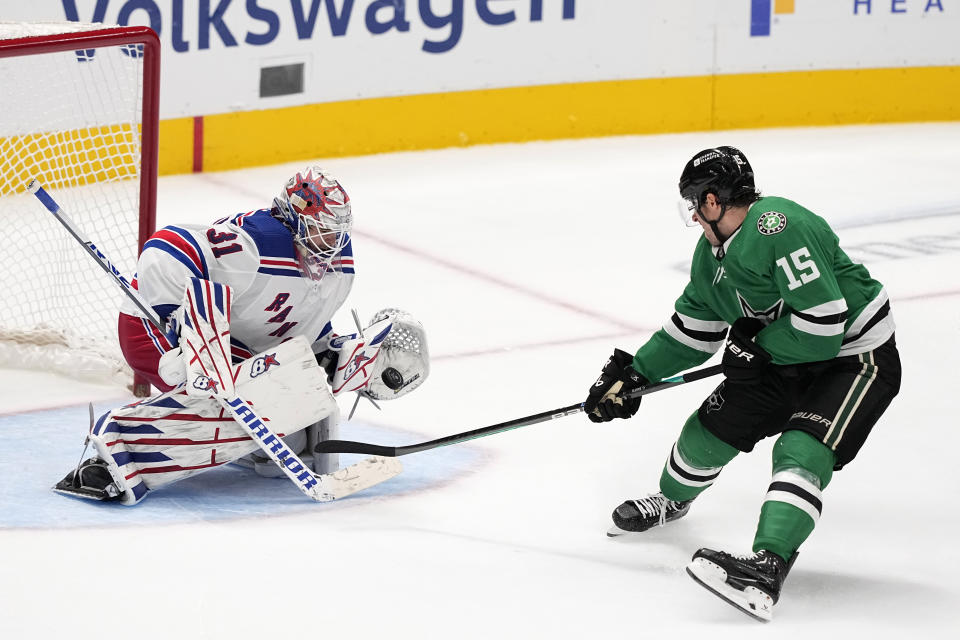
{"x": 72, "y": 121}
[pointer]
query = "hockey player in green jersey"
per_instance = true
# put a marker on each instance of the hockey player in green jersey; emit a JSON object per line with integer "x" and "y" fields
{"x": 810, "y": 357}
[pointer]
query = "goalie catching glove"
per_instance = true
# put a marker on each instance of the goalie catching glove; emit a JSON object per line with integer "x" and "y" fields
{"x": 387, "y": 360}
{"x": 605, "y": 401}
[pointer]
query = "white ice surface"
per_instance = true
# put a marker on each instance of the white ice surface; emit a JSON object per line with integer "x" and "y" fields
{"x": 527, "y": 264}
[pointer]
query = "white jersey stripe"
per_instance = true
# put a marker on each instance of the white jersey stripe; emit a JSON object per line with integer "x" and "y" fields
{"x": 876, "y": 336}
{"x": 868, "y": 312}
{"x": 700, "y": 345}
{"x": 702, "y": 325}
{"x": 827, "y": 308}
{"x": 814, "y": 328}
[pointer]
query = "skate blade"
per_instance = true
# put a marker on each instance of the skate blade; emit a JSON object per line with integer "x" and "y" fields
{"x": 86, "y": 494}
{"x": 614, "y": 532}
{"x": 713, "y": 578}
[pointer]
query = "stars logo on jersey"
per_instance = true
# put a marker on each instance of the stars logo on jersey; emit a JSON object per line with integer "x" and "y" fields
{"x": 771, "y": 222}
{"x": 766, "y": 316}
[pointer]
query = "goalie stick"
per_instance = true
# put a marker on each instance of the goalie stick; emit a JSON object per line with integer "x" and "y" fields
{"x": 349, "y": 446}
{"x": 34, "y": 187}
{"x": 319, "y": 487}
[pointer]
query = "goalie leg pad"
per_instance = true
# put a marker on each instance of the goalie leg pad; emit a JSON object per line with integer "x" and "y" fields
{"x": 326, "y": 429}
{"x": 176, "y": 435}
{"x": 259, "y": 462}
{"x": 166, "y": 438}
{"x": 302, "y": 443}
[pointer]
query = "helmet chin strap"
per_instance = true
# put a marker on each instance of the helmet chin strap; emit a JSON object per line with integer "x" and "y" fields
{"x": 715, "y": 226}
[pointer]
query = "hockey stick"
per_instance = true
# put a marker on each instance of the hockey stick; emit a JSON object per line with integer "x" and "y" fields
{"x": 61, "y": 216}
{"x": 349, "y": 446}
{"x": 319, "y": 487}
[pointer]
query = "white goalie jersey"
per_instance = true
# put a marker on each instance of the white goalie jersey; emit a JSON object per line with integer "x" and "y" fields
{"x": 254, "y": 254}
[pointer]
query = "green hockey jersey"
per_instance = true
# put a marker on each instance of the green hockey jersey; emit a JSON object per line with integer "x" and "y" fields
{"x": 784, "y": 266}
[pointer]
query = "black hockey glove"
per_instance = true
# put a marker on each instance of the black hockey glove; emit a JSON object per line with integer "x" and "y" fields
{"x": 744, "y": 361}
{"x": 604, "y": 402}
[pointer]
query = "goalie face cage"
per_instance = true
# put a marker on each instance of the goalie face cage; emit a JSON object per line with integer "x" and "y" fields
{"x": 78, "y": 112}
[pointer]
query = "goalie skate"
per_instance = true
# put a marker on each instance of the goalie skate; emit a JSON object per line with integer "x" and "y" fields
{"x": 91, "y": 480}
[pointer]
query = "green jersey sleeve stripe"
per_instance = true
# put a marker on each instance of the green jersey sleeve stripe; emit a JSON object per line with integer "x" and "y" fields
{"x": 874, "y": 312}
{"x": 696, "y": 324}
{"x": 826, "y": 310}
{"x": 827, "y": 319}
{"x": 815, "y": 328}
{"x": 836, "y": 318}
{"x": 706, "y": 341}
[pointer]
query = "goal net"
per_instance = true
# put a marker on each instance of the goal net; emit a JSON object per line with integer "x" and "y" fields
{"x": 78, "y": 112}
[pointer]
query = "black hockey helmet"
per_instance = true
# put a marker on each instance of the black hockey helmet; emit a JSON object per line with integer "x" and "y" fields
{"x": 723, "y": 171}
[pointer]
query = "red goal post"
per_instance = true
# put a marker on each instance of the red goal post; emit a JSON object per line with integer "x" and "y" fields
{"x": 79, "y": 112}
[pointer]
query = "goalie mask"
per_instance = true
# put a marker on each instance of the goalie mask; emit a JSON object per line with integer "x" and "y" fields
{"x": 316, "y": 209}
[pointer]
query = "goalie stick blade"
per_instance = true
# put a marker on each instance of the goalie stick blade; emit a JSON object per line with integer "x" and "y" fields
{"x": 357, "y": 477}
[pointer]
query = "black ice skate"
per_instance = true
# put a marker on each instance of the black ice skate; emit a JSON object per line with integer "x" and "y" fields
{"x": 634, "y": 516}
{"x": 91, "y": 480}
{"x": 751, "y": 583}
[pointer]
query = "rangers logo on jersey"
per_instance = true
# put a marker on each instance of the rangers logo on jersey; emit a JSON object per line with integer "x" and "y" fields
{"x": 771, "y": 222}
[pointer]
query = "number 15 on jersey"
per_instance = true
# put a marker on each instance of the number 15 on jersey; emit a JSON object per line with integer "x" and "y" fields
{"x": 805, "y": 267}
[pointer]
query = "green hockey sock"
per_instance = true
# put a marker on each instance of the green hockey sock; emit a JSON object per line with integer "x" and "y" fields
{"x": 802, "y": 467}
{"x": 695, "y": 461}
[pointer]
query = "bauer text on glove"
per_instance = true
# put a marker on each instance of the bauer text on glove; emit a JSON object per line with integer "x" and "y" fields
{"x": 744, "y": 361}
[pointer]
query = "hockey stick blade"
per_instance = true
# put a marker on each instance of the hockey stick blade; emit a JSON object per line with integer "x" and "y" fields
{"x": 356, "y": 477}
{"x": 350, "y": 446}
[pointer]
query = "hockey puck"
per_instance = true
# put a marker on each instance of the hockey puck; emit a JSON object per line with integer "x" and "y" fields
{"x": 392, "y": 378}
